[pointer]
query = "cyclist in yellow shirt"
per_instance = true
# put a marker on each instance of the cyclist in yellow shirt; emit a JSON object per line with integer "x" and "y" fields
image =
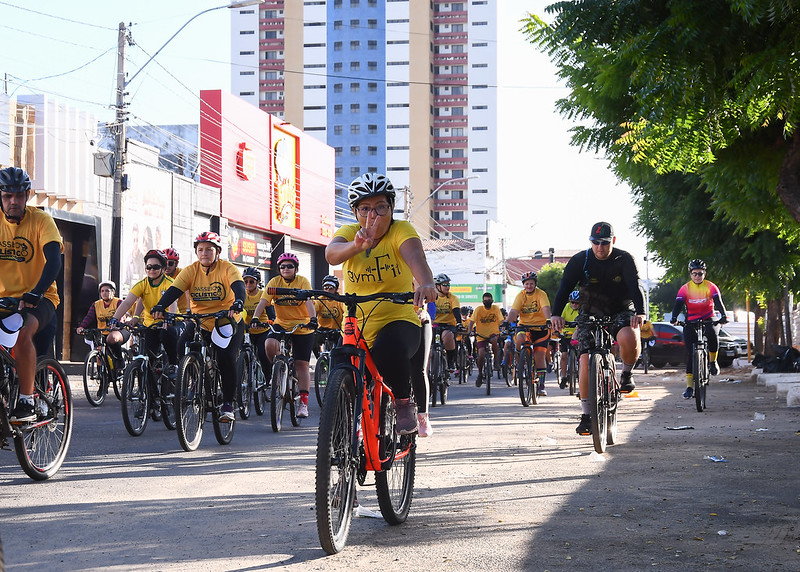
{"x": 258, "y": 333}
{"x": 381, "y": 254}
{"x": 448, "y": 316}
{"x": 288, "y": 314}
{"x": 214, "y": 285}
{"x": 329, "y": 313}
{"x": 30, "y": 260}
{"x": 485, "y": 322}
{"x": 532, "y": 308}
{"x": 570, "y": 314}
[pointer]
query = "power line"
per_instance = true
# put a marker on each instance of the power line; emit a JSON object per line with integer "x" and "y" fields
{"x": 26, "y": 9}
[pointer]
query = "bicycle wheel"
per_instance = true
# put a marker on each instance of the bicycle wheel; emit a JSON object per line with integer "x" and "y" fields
{"x": 487, "y": 373}
{"x": 572, "y": 368}
{"x": 433, "y": 375}
{"x": 646, "y": 358}
{"x": 94, "y": 385}
{"x": 135, "y": 397}
{"x": 462, "y": 364}
{"x": 168, "y": 414}
{"x": 42, "y": 446}
{"x": 244, "y": 389}
{"x": 294, "y": 401}
{"x": 700, "y": 369}
{"x": 259, "y": 389}
{"x": 223, "y": 429}
{"x": 280, "y": 375}
{"x": 190, "y": 402}
{"x": 395, "y": 484}
{"x": 597, "y": 404}
{"x": 321, "y": 376}
{"x": 119, "y": 373}
{"x": 613, "y": 402}
{"x": 527, "y": 394}
{"x": 335, "y": 488}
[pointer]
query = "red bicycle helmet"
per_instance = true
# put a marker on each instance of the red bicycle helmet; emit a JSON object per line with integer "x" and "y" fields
{"x": 155, "y": 253}
{"x": 172, "y": 254}
{"x": 288, "y": 256}
{"x": 208, "y": 236}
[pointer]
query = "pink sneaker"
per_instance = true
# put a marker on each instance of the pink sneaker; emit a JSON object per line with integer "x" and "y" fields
{"x": 425, "y": 427}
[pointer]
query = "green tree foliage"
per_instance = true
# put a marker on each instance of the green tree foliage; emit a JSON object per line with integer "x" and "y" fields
{"x": 550, "y": 278}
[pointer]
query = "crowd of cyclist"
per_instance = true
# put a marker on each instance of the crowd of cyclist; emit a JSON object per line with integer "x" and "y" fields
{"x": 602, "y": 280}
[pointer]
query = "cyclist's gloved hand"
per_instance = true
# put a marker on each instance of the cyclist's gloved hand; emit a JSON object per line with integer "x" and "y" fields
{"x": 503, "y": 324}
{"x": 313, "y": 323}
{"x": 512, "y": 325}
{"x": 157, "y": 309}
{"x": 237, "y": 306}
{"x": 31, "y": 298}
{"x": 113, "y": 323}
{"x": 723, "y": 320}
{"x": 673, "y": 321}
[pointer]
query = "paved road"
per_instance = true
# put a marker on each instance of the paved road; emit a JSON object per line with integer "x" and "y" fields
{"x": 498, "y": 487}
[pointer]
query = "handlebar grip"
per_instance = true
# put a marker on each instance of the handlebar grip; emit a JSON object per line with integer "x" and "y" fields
{"x": 281, "y": 291}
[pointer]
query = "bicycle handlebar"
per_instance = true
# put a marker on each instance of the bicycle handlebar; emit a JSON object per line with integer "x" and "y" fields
{"x": 300, "y": 294}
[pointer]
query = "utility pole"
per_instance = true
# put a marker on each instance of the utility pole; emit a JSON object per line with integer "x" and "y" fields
{"x": 504, "y": 278}
{"x": 120, "y": 157}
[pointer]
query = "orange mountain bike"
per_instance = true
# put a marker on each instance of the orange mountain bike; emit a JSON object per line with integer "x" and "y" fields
{"x": 357, "y": 430}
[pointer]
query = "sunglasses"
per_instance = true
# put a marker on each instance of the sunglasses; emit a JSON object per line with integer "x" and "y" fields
{"x": 698, "y": 273}
{"x": 249, "y": 280}
{"x": 172, "y": 262}
{"x": 285, "y": 266}
{"x": 600, "y": 242}
{"x": 153, "y": 267}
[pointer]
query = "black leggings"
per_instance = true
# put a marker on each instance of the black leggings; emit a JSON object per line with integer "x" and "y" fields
{"x": 226, "y": 358}
{"x": 400, "y": 356}
{"x": 258, "y": 342}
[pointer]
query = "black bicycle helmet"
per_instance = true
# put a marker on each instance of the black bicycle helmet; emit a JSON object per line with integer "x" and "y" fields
{"x": 254, "y": 273}
{"x": 574, "y": 296}
{"x": 370, "y": 185}
{"x": 330, "y": 280}
{"x": 697, "y": 264}
{"x": 529, "y": 276}
{"x": 14, "y": 180}
{"x": 441, "y": 279}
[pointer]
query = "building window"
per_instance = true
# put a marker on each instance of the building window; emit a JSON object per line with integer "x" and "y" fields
{"x": 338, "y": 172}
{"x": 372, "y": 151}
{"x": 355, "y": 130}
{"x": 246, "y": 32}
{"x": 337, "y": 25}
{"x": 372, "y": 24}
{"x": 354, "y": 24}
{"x": 372, "y": 108}
{"x": 457, "y": 215}
{"x": 354, "y": 172}
{"x": 480, "y": 44}
{"x": 337, "y": 88}
{"x": 355, "y": 66}
{"x": 480, "y": 65}
{"x": 337, "y": 151}
{"x": 337, "y": 109}
{"x": 355, "y": 45}
{"x": 479, "y": 191}
{"x": 313, "y": 87}
{"x": 372, "y": 66}
{"x": 372, "y": 129}
{"x": 355, "y": 107}
{"x": 479, "y": 149}
{"x": 480, "y": 170}
{"x": 372, "y": 86}
{"x": 247, "y": 73}
{"x": 480, "y": 212}
{"x": 355, "y": 87}
{"x": 355, "y": 151}
{"x": 337, "y": 129}
{"x": 246, "y": 93}
{"x": 372, "y": 44}
{"x": 337, "y": 67}
{"x": 372, "y": 169}
{"x": 480, "y": 128}
{"x": 247, "y": 53}
{"x": 480, "y": 23}
{"x": 337, "y": 46}
{"x": 480, "y": 107}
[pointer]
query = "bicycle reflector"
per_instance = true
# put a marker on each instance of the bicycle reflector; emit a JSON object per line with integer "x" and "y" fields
{"x": 222, "y": 333}
{"x": 9, "y": 330}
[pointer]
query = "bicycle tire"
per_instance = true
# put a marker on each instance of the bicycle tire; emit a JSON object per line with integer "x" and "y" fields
{"x": 700, "y": 369}
{"x": 277, "y": 404}
{"x": 168, "y": 413}
{"x": 190, "y": 401}
{"x": 443, "y": 390}
{"x": 95, "y": 386}
{"x": 321, "y": 376}
{"x": 294, "y": 401}
{"x": 487, "y": 371}
{"x": 613, "y": 403}
{"x": 462, "y": 364}
{"x": 433, "y": 375}
{"x": 646, "y": 358}
{"x": 42, "y": 447}
{"x": 260, "y": 389}
{"x": 244, "y": 389}
{"x": 527, "y": 392}
{"x": 136, "y": 398}
{"x": 335, "y": 487}
{"x": 597, "y": 407}
{"x": 395, "y": 484}
{"x": 117, "y": 380}
{"x": 223, "y": 430}
{"x": 573, "y": 366}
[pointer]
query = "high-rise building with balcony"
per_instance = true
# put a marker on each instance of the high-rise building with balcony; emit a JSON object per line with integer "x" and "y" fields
{"x": 402, "y": 87}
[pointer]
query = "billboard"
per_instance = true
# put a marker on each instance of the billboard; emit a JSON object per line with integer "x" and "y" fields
{"x": 472, "y": 294}
{"x": 272, "y": 176}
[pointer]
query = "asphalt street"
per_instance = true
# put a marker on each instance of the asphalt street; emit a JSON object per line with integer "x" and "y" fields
{"x": 498, "y": 487}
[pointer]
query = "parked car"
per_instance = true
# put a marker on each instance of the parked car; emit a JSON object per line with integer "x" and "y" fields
{"x": 669, "y": 347}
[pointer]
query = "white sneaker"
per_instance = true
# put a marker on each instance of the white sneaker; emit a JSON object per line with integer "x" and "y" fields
{"x": 425, "y": 427}
{"x": 302, "y": 410}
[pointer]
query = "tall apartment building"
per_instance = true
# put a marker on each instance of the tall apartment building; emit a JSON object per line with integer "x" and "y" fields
{"x": 402, "y": 87}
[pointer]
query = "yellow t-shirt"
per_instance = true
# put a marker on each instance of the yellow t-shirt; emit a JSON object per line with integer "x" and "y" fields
{"x": 150, "y": 294}
{"x": 183, "y": 303}
{"x": 487, "y": 321}
{"x": 329, "y": 314}
{"x": 569, "y": 314}
{"x": 384, "y": 270}
{"x": 444, "y": 309}
{"x": 22, "y": 255}
{"x": 530, "y": 307}
{"x": 209, "y": 292}
{"x": 104, "y": 313}
{"x": 646, "y": 330}
{"x": 289, "y": 313}
{"x": 250, "y": 306}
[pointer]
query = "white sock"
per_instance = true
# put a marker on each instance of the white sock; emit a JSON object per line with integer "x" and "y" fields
{"x": 27, "y": 399}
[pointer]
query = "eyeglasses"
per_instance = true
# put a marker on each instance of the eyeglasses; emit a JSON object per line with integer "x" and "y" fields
{"x": 574, "y": 302}
{"x": 172, "y": 262}
{"x": 445, "y": 285}
{"x": 285, "y": 266}
{"x": 328, "y": 288}
{"x": 600, "y": 242}
{"x": 380, "y": 210}
{"x": 153, "y": 267}
{"x": 698, "y": 273}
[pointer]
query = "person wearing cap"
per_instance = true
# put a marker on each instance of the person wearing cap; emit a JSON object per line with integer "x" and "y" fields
{"x": 485, "y": 325}
{"x": 30, "y": 261}
{"x": 214, "y": 285}
{"x": 288, "y": 314}
{"x": 329, "y": 312}
{"x": 609, "y": 287}
{"x": 142, "y": 296}
{"x": 258, "y": 330}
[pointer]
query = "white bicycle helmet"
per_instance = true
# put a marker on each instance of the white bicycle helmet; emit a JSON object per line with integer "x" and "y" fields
{"x": 370, "y": 185}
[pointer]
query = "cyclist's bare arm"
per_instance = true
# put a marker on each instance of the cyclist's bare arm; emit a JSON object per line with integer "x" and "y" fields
{"x": 414, "y": 256}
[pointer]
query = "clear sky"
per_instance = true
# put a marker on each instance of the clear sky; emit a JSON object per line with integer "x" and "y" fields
{"x": 550, "y": 194}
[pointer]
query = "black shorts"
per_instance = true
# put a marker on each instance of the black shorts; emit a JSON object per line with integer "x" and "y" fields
{"x": 586, "y": 339}
{"x": 44, "y": 312}
{"x": 302, "y": 344}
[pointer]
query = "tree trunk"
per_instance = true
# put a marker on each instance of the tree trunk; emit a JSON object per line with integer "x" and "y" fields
{"x": 758, "y": 334}
{"x": 788, "y": 188}
{"x": 772, "y": 332}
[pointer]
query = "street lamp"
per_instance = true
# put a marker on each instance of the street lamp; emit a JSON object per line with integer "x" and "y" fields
{"x": 120, "y": 130}
{"x": 442, "y": 184}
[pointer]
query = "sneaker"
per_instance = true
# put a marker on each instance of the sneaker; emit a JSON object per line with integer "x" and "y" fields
{"x": 479, "y": 381}
{"x": 713, "y": 367}
{"x": 23, "y": 412}
{"x": 406, "y": 417}
{"x": 585, "y": 426}
{"x": 563, "y": 383}
{"x": 425, "y": 428}
{"x": 626, "y": 382}
{"x": 542, "y": 392}
{"x": 302, "y": 410}
{"x": 226, "y": 412}
{"x": 689, "y": 393}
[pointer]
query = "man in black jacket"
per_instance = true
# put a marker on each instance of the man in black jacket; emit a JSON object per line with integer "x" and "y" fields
{"x": 609, "y": 287}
